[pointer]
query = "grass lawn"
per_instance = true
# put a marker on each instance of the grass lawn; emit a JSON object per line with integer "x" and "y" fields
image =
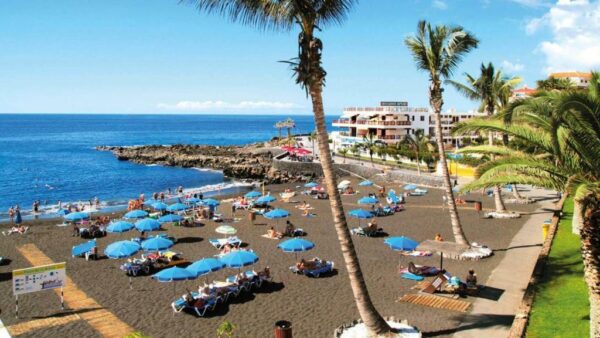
{"x": 561, "y": 307}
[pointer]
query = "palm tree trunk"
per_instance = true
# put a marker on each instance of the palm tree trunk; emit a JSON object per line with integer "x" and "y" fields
{"x": 577, "y": 217}
{"x": 436, "y": 103}
{"x": 418, "y": 164}
{"x": 516, "y": 194}
{"x": 590, "y": 250}
{"x": 372, "y": 319}
{"x": 500, "y": 207}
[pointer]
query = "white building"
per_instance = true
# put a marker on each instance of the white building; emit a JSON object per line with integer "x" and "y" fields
{"x": 579, "y": 79}
{"x": 390, "y": 122}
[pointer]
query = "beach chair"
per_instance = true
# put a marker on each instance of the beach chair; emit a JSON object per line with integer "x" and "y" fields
{"x": 418, "y": 192}
{"x": 208, "y": 304}
{"x": 392, "y": 198}
{"x": 367, "y": 233}
{"x": 219, "y": 243}
{"x": 321, "y": 268}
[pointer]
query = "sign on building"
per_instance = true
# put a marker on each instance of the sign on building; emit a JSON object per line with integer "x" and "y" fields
{"x": 393, "y": 104}
{"x": 39, "y": 278}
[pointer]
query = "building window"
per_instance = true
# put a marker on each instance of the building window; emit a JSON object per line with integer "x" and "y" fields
{"x": 422, "y": 118}
{"x": 413, "y": 118}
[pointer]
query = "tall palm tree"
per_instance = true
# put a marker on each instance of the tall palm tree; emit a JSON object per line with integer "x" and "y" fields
{"x": 418, "y": 143}
{"x": 553, "y": 83}
{"x": 491, "y": 87}
{"x": 311, "y": 16}
{"x": 563, "y": 158}
{"x": 369, "y": 144}
{"x": 438, "y": 51}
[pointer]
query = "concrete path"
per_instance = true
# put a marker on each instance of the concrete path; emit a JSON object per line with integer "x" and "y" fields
{"x": 491, "y": 318}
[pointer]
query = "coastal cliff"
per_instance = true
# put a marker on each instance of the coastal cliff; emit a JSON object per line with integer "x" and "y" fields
{"x": 242, "y": 162}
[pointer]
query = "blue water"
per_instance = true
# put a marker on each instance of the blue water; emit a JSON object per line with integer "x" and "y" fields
{"x": 52, "y": 157}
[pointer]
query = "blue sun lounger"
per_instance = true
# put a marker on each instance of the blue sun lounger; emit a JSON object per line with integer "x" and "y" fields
{"x": 219, "y": 243}
{"x": 324, "y": 267}
{"x": 180, "y": 304}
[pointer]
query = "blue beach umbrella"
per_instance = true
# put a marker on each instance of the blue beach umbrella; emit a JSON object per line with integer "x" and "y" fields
{"x": 410, "y": 187}
{"x": 401, "y": 243}
{"x": 311, "y": 184}
{"x": 120, "y": 226}
{"x": 176, "y": 207}
{"x": 193, "y": 200}
{"x": 265, "y": 199}
{"x": 238, "y": 259}
{"x": 361, "y": 214}
{"x": 136, "y": 214}
{"x": 147, "y": 224}
{"x": 170, "y": 218}
{"x": 253, "y": 194}
{"x": 296, "y": 245}
{"x": 277, "y": 213}
{"x": 157, "y": 243}
{"x": 210, "y": 202}
{"x": 368, "y": 200}
{"x": 121, "y": 249}
{"x": 205, "y": 266}
{"x": 366, "y": 183}
{"x": 77, "y": 216}
{"x": 173, "y": 274}
{"x": 159, "y": 206}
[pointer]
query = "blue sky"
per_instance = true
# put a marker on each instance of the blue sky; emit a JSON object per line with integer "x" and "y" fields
{"x": 159, "y": 56}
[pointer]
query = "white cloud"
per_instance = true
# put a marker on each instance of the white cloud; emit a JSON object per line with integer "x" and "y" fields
{"x": 531, "y": 3}
{"x": 575, "y": 29}
{"x": 439, "y": 4}
{"x": 512, "y": 67}
{"x": 222, "y": 105}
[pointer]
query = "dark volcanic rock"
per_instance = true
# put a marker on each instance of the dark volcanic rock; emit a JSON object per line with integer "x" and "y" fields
{"x": 248, "y": 162}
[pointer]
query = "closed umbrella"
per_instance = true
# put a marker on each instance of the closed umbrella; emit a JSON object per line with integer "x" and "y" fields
{"x": 118, "y": 227}
{"x": 147, "y": 224}
{"x": 402, "y": 243}
{"x": 121, "y": 249}
{"x": 368, "y": 200}
{"x": 170, "y": 218}
{"x": 75, "y": 216}
{"x": 177, "y": 207}
{"x": 157, "y": 244}
{"x": 136, "y": 214}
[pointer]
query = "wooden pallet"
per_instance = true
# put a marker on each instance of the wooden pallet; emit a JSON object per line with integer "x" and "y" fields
{"x": 102, "y": 320}
{"x": 436, "y": 302}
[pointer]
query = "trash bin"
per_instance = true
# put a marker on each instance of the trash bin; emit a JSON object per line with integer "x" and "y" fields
{"x": 478, "y": 206}
{"x": 283, "y": 329}
{"x": 252, "y": 216}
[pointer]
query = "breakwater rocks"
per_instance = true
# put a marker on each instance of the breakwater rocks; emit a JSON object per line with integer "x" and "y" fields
{"x": 243, "y": 162}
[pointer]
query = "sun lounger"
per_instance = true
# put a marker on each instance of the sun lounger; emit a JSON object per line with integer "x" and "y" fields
{"x": 418, "y": 192}
{"x": 219, "y": 243}
{"x": 200, "y": 310}
{"x": 295, "y": 233}
{"x": 423, "y": 270}
{"x": 365, "y": 232}
{"x": 321, "y": 268}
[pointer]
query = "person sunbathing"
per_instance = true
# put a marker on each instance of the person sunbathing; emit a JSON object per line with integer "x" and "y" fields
{"x": 289, "y": 229}
{"x": 20, "y": 229}
{"x": 412, "y": 268}
{"x": 241, "y": 279}
{"x": 304, "y": 206}
{"x": 438, "y": 238}
{"x": 307, "y": 265}
{"x": 227, "y": 248}
{"x": 265, "y": 273}
{"x": 471, "y": 280}
{"x": 272, "y": 233}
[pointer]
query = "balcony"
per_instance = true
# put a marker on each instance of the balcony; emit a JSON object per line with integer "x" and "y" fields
{"x": 371, "y": 123}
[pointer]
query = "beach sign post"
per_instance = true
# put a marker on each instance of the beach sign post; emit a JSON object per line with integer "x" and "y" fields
{"x": 39, "y": 278}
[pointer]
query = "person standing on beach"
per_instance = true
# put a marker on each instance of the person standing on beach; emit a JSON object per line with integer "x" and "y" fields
{"x": 11, "y": 215}
{"x": 18, "y": 218}
{"x": 162, "y": 196}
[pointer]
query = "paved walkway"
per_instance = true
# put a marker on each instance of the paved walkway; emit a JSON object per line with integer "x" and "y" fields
{"x": 491, "y": 318}
{"x": 102, "y": 320}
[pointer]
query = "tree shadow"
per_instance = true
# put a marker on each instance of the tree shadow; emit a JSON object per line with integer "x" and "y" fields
{"x": 490, "y": 293}
{"x": 5, "y": 276}
{"x": 67, "y": 312}
{"x": 477, "y": 321}
{"x": 189, "y": 240}
{"x": 5, "y": 261}
{"x": 519, "y": 247}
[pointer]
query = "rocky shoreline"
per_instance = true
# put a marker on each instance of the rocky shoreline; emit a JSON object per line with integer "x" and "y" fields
{"x": 252, "y": 161}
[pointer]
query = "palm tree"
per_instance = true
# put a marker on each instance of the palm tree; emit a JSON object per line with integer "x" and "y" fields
{"x": 491, "y": 87}
{"x": 553, "y": 83}
{"x": 343, "y": 152}
{"x": 356, "y": 151}
{"x": 369, "y": 145}
{"x": 381, "y": 151}
{"x": 564, "y": 131}
{"x": 311, "y": 16}
{"x": 438, "y": 51}
{"x": 418, "y": 143}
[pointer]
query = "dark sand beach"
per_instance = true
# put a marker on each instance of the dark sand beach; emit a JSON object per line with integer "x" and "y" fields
{"x": 315, "y": 306}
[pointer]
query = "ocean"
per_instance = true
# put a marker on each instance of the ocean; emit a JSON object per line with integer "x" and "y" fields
{"x": 52, "y": 157}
